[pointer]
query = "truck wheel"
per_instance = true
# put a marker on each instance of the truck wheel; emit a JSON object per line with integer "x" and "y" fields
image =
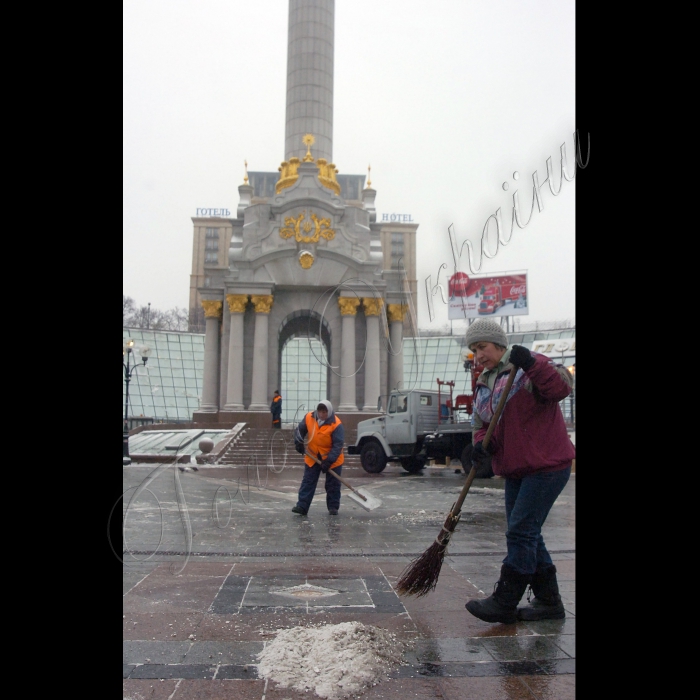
{"x": 372, "y": 457}
{"x": 413, "y": 464}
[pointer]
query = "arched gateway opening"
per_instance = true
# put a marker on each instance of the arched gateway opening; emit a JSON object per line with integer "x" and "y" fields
{"x": 304, "y": 341}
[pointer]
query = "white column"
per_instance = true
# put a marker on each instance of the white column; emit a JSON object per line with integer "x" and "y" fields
{"x": 372, "y": 308}
{"x": 395, "y": 313}
{"x": 234, "y": 385}
{"x": 348, "y": 370}
{"x": 210, "y": 381}
{"x": 310, "y": 40}
{"x": 259, "y": 398}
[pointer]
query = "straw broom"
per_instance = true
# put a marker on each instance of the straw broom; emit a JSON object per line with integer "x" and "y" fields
{"x": 421, "y": 575}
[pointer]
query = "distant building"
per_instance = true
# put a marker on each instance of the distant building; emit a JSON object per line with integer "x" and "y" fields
{"x": 168, "y": 389}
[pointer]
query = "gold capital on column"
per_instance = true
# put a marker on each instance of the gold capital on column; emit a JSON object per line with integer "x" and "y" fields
{"x": 212, "y": 309}
{"x": 373, "y": 307}
{"x": 236, "y": 303}
{"x": 348, "y": 305}
{"x": 262, "y": 303}
{"x": 396, "y": 312}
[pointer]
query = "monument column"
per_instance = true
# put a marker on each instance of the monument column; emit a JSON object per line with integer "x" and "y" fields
{"x": 348, "y": 310}
{"x": 396, "y": 313}
{"x": 210, "y": 381}
{"x": 259, "y": 398}
{"x": 234, "y": 385}
{"x": 310, "y": 39}
{"x": 372, "y": 308}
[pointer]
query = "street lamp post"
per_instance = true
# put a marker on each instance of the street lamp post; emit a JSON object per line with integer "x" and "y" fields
{"x": 128, "y": 371}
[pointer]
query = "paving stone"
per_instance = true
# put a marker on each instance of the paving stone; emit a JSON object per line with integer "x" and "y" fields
{"x": 157, "y": 671}
{"x": 149, "y": 689}
{"x": 522, "y": 648}
{"x": 228, "y": 652}
{"x": 154, "y": 652}
{"x": 211, "y": 612}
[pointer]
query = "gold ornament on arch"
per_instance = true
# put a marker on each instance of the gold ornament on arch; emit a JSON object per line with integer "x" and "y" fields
{"x": 306, "y": 259}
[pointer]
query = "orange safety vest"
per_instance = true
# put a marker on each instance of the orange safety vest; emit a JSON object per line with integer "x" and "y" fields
{"x": 320, "y": 440}
{"x": 275, "y": 400}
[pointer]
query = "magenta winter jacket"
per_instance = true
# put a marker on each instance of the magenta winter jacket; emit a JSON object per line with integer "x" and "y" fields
{"x": 531, "y": 435}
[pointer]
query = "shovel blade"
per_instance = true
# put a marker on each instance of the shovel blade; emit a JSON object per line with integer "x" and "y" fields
{"x": 370, "y": 504}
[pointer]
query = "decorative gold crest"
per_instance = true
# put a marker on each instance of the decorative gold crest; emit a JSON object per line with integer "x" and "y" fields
{"x": 292, "y": 227}
{"x": 372, "y": 306}
{"x": 396, "y": 312}
{"x": 262, "y": 303}
{"x": 289, "y": 169}
{"x": 212, "y": 309}
{"x": 348, "y": 305}
{"x": 326, "y": 175}
{"x": 237, "y": 303}
{"x": 308, "y": 141}
{"x": 306, "y": 259}
{"x": 288, "y": 174}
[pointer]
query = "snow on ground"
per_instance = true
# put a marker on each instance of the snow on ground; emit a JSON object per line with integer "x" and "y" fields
{"x": 335, "y": 661}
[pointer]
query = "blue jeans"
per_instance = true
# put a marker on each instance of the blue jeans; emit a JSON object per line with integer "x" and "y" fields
{"x": 528, "y": 502}
{"x": 308, "y": 487}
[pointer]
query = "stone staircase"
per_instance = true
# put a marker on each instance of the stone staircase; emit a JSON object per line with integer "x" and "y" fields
{"x": 260, "y": 446}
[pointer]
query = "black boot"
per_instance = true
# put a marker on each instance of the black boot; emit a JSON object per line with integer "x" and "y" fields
{"x": 501, "y": 606}
{"x": 547, "y": 603}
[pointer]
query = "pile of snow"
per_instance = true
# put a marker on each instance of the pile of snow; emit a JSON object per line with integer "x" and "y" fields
{"x": 335, "y": 661}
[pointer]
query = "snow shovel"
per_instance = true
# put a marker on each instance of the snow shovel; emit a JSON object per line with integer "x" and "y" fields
{"x": 366, "y": 500}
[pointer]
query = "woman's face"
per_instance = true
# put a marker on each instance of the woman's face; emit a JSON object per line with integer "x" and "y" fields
{"x": 487, "y": 354}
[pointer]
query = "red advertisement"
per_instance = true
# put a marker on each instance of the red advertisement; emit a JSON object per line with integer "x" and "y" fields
{"x": 482, "y": 296}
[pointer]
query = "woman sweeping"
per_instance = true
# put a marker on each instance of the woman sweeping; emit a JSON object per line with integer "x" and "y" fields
{"x": 531, "y": 449}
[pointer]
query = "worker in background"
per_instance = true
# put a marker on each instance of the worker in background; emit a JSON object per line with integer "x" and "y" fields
{"x": 276, "y": 410}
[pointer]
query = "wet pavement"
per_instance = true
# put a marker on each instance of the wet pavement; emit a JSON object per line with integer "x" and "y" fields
{"x": 214, "y": 562}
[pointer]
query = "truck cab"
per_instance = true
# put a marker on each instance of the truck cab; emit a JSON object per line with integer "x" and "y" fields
{"x": 491, "y": 300}
{"x": 419, "y": 425}
{"x": 397, "y": 435}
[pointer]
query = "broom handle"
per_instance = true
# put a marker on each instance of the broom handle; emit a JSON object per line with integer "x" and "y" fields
{"x": 492, "y": 426}
{"x": 340, "y": 479}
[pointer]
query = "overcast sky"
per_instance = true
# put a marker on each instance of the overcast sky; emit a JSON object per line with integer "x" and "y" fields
{"x": 445, "y": 100}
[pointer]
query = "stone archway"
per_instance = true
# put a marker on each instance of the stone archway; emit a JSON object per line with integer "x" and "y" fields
{"x": 303, "y": 345}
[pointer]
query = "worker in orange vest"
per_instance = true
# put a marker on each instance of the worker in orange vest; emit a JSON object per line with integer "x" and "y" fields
{"x": 276, "y": 410}
{"x": 320, "y": 433}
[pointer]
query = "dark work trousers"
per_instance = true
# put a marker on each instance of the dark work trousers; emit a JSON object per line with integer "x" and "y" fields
{"x": 308, "y": 487}
{"x": 528, "y": 502}
{"x": 277, "y": 424}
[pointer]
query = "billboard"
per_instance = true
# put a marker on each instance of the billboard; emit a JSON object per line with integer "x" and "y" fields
{"x": 485, "y": 296}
